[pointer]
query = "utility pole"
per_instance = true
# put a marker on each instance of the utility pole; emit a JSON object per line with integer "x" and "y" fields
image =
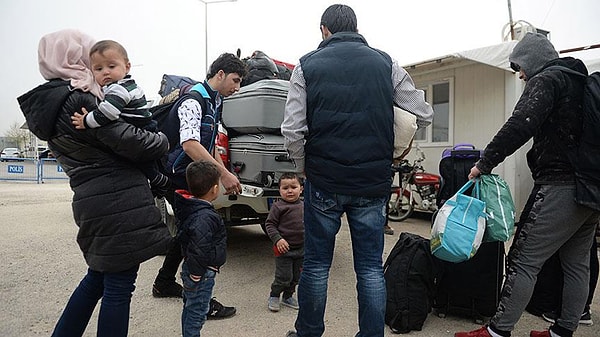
{"x": 510, "y": 21}
{"x": 206, "y": 3}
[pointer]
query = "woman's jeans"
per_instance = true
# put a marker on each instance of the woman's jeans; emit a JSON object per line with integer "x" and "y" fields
{"x": 196, "y": 299}
{"x": 322, "y": 221}
{"x": 115, "y": 289}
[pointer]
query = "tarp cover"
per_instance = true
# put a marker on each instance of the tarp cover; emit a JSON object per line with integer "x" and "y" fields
{"x": 495, "y": 56}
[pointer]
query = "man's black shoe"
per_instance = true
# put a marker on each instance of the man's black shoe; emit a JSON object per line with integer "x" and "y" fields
{"x": 172, "y": 290}
{"x": 217, "y": 310}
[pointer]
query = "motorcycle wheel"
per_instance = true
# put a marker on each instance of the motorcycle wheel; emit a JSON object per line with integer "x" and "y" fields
{"x": 399, "y": 206}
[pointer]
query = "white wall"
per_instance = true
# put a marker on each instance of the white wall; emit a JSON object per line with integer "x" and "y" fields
{"x": 484, "y": 98}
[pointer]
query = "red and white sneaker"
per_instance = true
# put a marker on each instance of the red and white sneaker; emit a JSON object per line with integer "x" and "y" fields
{"x": 482, "y": 332}
{"x": 545, "y": 333}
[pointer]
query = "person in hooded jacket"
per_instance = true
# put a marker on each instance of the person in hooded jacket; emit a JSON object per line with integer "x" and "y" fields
{"x": 119, "y": 225}
{"x": 549, "y": 111}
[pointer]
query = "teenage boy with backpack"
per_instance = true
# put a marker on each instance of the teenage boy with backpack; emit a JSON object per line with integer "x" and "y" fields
{"x": 191, "y": 126}
{"x": 550, "y": 112}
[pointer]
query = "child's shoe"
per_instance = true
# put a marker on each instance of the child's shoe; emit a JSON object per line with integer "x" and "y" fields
{"x": 290, "y": 302}
{"x": 274, "y": 304}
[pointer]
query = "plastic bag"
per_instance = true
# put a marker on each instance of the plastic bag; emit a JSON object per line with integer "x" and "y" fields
{"x": 405, "y": 127}
{"x": 500, "y": 208}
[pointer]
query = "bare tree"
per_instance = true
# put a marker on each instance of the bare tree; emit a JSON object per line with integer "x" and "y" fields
{"x": 17, "y": 135}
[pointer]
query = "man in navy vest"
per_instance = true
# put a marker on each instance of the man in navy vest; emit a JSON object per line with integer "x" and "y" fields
{"x": 193, "y": 126}
{"x": 339, "y": 130}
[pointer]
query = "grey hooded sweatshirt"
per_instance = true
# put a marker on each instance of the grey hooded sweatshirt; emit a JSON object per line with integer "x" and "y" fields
{"x": 532, "y": 53}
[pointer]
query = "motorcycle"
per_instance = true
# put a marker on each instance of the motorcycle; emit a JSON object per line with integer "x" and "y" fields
{"x": 416, "y": 189}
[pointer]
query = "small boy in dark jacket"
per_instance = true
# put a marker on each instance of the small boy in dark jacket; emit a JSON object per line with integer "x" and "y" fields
{"x": 203, "y": 242}
{"x": 285, "y": 226}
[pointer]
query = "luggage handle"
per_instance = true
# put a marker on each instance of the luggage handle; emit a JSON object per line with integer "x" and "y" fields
{"x": 462, "y": 150}
{"x": 463, "y": 146}
{"x": 476, "y": 154}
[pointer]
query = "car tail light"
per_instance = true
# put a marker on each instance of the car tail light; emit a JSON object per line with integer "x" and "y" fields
{"x": 222, "y": 146}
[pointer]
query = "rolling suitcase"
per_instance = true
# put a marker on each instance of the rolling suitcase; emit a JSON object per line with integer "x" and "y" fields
{"x": 547, "y": 293}
{"x": 256, "y": 108}
{"x": 455, "y": 165}
{"x": 259, "y": 159}
{"x": 470, "y": 288}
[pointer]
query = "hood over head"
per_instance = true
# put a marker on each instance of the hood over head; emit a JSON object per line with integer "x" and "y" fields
{"x": 532, "y": 53}
{"x": 42, "y": 105}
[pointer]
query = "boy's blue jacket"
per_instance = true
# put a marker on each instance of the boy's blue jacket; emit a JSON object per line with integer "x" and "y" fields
{"x": 201, "y": 233}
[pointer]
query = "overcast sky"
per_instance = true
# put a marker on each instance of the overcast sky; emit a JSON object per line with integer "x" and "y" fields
{"x": 168, "y": 36}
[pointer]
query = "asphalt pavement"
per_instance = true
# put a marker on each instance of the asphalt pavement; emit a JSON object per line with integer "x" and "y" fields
{"x": 42, "y": 265}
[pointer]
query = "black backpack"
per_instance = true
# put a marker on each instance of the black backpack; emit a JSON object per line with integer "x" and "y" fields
{"x": 260, "y": 67}
{"x": 161, "y": 112}
{"x": 284, "y": 72}
{"x": 586, "y": 157}
{"x": 409, "y": 282}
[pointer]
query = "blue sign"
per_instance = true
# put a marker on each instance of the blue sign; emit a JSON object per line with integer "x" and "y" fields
{"x": 16, "y": 169}
{"x": 59, "y": 168}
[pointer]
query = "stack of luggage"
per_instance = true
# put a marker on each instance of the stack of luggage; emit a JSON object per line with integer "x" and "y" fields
{"x": 252, "y": 118}
{"x": 471, "y": 288}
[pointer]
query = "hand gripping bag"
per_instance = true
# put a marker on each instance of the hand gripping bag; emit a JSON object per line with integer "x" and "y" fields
{"x": 499, "y": 207}
{"x": 459, "y": 225}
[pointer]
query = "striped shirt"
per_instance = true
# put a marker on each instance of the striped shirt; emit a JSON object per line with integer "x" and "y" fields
{"x": 123, "y": 99}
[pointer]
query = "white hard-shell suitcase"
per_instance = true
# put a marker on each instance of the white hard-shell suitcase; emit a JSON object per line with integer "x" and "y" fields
{"x": 256, "y": 108}
{"x": 259, "y": 159}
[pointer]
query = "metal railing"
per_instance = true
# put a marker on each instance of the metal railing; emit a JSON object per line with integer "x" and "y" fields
{"x": 28, "y": 169}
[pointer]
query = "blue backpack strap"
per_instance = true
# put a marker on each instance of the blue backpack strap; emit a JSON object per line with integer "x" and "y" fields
{"x": 199, "y": 87}
{"x": 208, "y": 105}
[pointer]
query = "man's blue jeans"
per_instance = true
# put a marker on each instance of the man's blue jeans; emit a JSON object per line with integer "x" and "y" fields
{"x": 196, "y": 299}
{"x": 115, "y": 289}
{"x": 322, "y": 221}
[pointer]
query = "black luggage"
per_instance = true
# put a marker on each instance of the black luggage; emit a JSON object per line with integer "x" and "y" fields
{"x": 547, "y": 293}
{"x": 471, "y": 288}
{"x": 546, "y": 296}
{"x": 172, "y": 82}
{"x": 409, "y": 279}
{"x": 455, "y": 165}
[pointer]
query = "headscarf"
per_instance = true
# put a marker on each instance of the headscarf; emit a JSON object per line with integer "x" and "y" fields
{"x": 65, "y": 54}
